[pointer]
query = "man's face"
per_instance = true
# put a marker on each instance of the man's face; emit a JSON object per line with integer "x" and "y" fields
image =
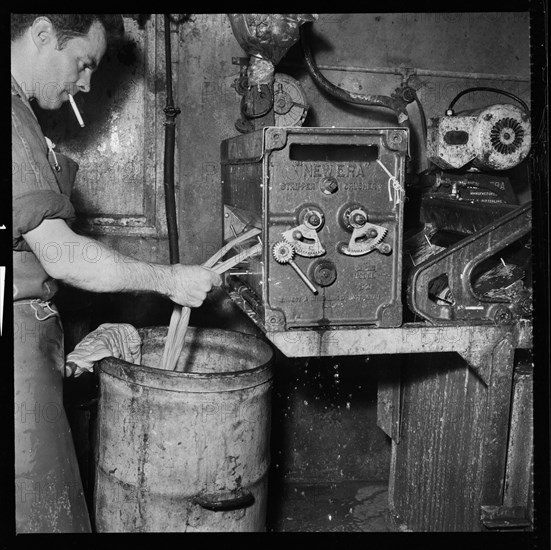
{"x": 70, "y": 69}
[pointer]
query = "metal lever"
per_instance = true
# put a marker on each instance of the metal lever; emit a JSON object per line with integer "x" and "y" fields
{"x": 312, "y": 221}
{"x": 283, "y": 253}
{"x": 366, "y": 236}
{"x": 308, "y": 250}
{"x": 358, "y": 247}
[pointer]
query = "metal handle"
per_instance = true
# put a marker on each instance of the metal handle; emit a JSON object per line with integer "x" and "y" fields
{"x": 227, "y": 500}
{"x": 304, "y": 278}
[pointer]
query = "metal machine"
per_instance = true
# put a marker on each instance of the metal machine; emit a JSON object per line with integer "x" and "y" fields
{"x": 494, "y": 138}
{"x": 330, "y": 203}
{"x": 362, "y": 257}
{"x": 477, "y": 265}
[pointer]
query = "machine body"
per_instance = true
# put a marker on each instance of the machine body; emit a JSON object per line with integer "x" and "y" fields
{"x": 329, "y": 202}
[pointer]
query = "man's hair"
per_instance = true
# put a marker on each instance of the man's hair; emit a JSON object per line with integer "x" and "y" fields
{"x": 69, "y": 25}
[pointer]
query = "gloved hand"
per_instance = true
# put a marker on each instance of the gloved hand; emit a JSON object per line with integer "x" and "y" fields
{"x": 119, "y": 340}
{"x": 190, "y": 284}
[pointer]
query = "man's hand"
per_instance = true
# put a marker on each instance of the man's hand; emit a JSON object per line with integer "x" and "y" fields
{"x": 191, "y": 283}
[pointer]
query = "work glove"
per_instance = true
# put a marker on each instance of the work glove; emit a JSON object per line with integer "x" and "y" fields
{"x": 119, "y": 340}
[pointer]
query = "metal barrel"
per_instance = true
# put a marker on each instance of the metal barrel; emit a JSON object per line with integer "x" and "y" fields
{"x": 185, "y": 451}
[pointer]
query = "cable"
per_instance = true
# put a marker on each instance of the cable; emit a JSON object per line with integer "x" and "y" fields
{"x": 449, "y": 110}
{"x": 395, "y": 105}
{"x": 171, "y": 112}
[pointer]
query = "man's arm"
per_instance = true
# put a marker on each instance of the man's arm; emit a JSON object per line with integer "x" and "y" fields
{"x": 90, "y": 265}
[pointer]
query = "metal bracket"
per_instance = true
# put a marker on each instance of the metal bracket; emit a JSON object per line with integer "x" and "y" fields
{"x": 241, "y": 61}
{"x": 504, "y": 517}
{"x": 458, "y": 263}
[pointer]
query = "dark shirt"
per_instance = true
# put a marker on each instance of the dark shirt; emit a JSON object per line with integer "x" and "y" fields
{"x": 37, "y": 194}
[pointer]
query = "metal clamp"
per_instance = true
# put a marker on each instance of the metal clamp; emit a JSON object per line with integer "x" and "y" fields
{"x": 44, "y": 305}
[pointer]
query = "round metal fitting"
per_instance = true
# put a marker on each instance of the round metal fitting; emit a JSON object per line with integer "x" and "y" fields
{"x": 503, "y": 315}
{"x": 328, "y": 185}
{"x": 357, "y": 217}
{"x": 395, "y": 138}
{"x": 290, "y": 104}
{"x": 313, "y": 219}
{"x": 323, "y": 272}
{"x": 350, "y": 216}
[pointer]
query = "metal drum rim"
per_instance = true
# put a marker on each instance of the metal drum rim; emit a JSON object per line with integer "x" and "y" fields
{"x": 117, "y": 368}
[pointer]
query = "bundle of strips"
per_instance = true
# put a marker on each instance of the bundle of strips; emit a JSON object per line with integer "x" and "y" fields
{"x": 180, "y": 315}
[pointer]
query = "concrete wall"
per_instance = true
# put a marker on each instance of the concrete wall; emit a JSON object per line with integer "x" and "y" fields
{"x": 324, "y": 426}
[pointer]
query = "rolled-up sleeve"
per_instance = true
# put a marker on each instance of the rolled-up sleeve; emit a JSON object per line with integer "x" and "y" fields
{"x": 35, "y": 192}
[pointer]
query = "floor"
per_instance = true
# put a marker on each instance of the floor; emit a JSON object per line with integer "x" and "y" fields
{"x": 352, "y": 506}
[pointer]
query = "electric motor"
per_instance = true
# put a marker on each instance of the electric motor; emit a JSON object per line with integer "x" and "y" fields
{"x": 496, "y": 137}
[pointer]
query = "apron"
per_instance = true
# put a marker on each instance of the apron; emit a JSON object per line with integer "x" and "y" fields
{"x": 49, "y": 497}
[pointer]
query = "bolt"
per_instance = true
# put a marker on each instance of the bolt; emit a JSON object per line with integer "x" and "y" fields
{"x": 314, "y": 220}
{"x": 359, "y": 219}
{"x": 385, "y": 248}
{"x": 329, "y": 185}
{"x": 297, "y": 235}
{"x": 395, "y": 137}
{"x": 503, "y": 315}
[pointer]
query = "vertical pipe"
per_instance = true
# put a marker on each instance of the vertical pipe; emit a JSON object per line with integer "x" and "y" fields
{"x": 171, "y": 113}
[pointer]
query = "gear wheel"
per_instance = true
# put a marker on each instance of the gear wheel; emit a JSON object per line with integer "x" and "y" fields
{"x": 506, "y": 136}
{"x": 283, "y": 252}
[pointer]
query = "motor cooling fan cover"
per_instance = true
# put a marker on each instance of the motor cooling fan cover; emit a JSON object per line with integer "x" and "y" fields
{"x": 507, "y": 136}
{"x": 501, "y": 137}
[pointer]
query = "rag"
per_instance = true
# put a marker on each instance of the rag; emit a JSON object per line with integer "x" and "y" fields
{"x": 119, "y": 340}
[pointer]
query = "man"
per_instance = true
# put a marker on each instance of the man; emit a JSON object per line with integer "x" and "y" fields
{"x": 53, "y": 56}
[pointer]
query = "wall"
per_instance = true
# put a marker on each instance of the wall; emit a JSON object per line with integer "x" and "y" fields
{"x": 119, "y": 194}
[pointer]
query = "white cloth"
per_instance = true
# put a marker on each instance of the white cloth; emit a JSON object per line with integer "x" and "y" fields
{"x": 119, "y": 340}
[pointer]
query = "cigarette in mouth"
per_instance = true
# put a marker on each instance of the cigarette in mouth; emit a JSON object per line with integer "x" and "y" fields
{"x": 75, "y": 109}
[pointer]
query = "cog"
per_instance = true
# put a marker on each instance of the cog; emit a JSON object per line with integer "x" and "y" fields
{"x": 283, "y": 252}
